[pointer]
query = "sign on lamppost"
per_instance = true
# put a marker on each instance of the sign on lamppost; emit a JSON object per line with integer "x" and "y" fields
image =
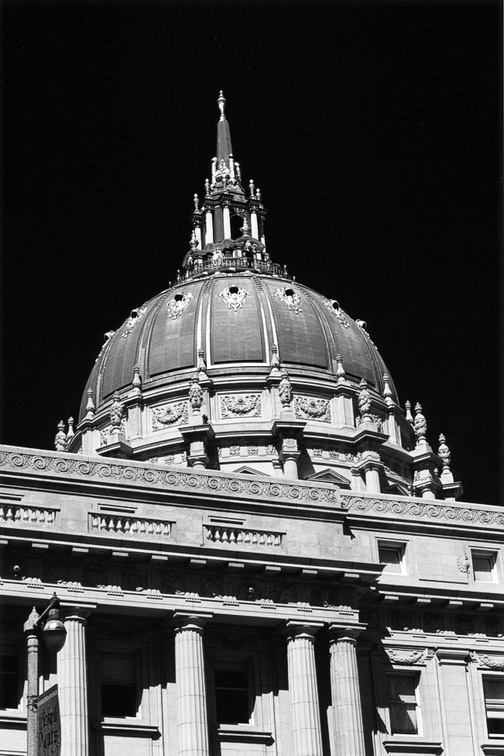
{"x": 48, "y": 723}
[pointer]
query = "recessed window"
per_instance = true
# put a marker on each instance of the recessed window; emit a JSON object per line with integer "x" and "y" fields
{"x": 494, "y": 704}
{"x": 118, "y": 685}
{"x": 403, "y": 704}
{"x": 392, "y": 556}
{"x": 232, "y": 693}
{"x": 9, "y": 681}
{"x": 483, "y": 563}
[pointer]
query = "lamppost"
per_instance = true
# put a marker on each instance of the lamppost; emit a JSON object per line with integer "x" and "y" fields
{"x": 54, "y": 635}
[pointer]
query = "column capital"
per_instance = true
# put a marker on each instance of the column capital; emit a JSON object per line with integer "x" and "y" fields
{"x": 296, "y": 628}
{"x": 345, "y": 632}
{"x": 76, "y": 611}
{"x": 183, "y": 620}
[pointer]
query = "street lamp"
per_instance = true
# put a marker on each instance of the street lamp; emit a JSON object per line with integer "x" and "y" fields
{"x": 54, "y": 635}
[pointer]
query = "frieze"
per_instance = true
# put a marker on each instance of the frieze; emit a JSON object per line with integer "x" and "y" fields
{"x": 170, "y": 414}
{"x": 107, "y": 471}
{"x": 432, "y": 510}
{"x": 178, "y": 304}
{"x": 240, "y": 405}
{"x": 290, "y": 298}
{"x": 307, "y": 407}
{"x": 234, "y": 297}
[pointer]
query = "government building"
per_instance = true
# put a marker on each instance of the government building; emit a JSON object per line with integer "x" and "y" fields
{"x": 257, "y": 550}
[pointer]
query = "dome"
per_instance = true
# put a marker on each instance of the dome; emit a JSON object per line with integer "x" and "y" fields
{"x": 239, "y": 367}
{"x": 237, "y": 319}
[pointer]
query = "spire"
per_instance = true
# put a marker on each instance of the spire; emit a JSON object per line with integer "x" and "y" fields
{"x": 224, "y": 147}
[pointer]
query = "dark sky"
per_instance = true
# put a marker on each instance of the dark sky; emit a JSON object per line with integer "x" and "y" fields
{"x": 372, "y": 129}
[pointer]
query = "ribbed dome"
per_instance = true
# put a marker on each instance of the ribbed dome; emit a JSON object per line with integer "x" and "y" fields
{"x": 235, "y": 319}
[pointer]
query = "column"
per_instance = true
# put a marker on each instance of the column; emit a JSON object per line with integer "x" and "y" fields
{"x": 227, "y": 223}
{"x": 303, "y": 691}
{"x": 72, "y": 686}
{"x": 209, "y": 228}
{"x": 32, "y": 648}
{"x": 349, "y": 729}
{"x": 191, "y": 692}
{"x": 254, "y": 226}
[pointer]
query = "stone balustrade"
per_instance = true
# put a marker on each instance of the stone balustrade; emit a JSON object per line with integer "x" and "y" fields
{"x": 23, "y": 515}
{"x": 128, "y": 525}
{"x": 234, "y": 536}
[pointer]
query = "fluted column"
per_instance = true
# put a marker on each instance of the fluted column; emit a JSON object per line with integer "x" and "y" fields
{"x": 191, "y": 691}
{"x": 72, "y": 686}
{"x": 303, "y": 690}
{"x": 349, "y": 729}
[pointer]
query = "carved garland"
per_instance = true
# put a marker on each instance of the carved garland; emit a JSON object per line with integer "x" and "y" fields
{"x": 290, "y": 298}
{"x": 240, "y": 405}
{"x": 400, "y": 656}
{"x": 234, "y": 297}
{"x": 169, "y": 415}
{"x": 178, "y": 304}
{"x": 309, "y": 407}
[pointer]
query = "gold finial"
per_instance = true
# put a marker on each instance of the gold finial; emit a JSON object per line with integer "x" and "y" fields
{"x": 222, "y": 103}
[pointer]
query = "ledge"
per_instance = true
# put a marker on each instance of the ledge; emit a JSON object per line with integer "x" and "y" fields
{"x": 134, "y": 729}
{"x": 493, "y": 749}
{"x": 407, "y": 747}
{"x": 243, "y": 734}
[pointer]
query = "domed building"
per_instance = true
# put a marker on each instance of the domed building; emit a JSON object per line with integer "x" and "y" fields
{"x": 255, "y": 550}
{"x": 240, "y": 368}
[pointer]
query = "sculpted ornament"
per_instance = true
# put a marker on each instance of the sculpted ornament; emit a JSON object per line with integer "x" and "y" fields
{"x": 133, "y": 319}
{"x": 195, "y": 395}
{"x": 463, "y": 563}
{"x": 285, "y": 389}
{"x": 334, "y": 307}
{"x": 290, "y": 298}
{"x": 493, "y": 662}
{"x": 169, "y": 415}
{"x": 308, "y": 407}
{"x": 116, "y": 412}
{"x": 234, "y": 297}
{"x": 241, "y": 405}
{"x": 404, "y": 657}
{"x": 178, "y": 304}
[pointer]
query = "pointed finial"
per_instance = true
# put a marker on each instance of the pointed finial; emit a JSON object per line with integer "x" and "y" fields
{"x": 245, "y": 229}
{"x": 196, "y": 202}
{"x": 194, "y": 241}
{"x": 258, "y": 193}
{"x": 420, "y": 424}
{"x": 207, "y": 186}
{"x": 252, "y": 188}
{"x": 60, "y": 440}
{"x": 222, "y": 104}
{"x": 116, "y": 412}
{"x": 364, "y": 400}
{"x": 70, "y": 432}
{"x": 340, "y": 370}
{"x": 274, "y": 361}
{"x": 90, "y": 405}
{"x": 136, "y": 383}
{"x": 408, "y": 415}
{"x": 387, "y": 391}
{"x": 444, "y": 452}
{"x": 201, "y": 365}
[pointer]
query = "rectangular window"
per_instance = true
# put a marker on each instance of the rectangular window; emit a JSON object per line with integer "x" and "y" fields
{"x": 232, "y": 693}
{"x": 392, "y": 556}
{"x": 494, "y": 704}
{"x": 403, "y": 705}
{"x": 483, "y": 563}
{"x": 118, "y": 685}
{"x": 9, "y": 681}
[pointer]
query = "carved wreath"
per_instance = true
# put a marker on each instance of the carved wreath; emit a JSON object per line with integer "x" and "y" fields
{"x": 318, "y": 409}
{"x": 169, "y": 415}
{"x": 404, "y": 657}
{"x": 234, "y": 297}
{"x": 243, "y": 404}
{"x": 133, "y": 319}
{"x": 290, "y": 298}
{"x": 177, "y": 305}
{"x": 334, "y": 307}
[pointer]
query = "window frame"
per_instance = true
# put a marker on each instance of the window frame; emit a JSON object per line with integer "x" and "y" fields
{"x": 492, "y": 677}
{"x": 135, "y": 654}
{"x": 400, "y": 548}
{"x": 492, "y": 556}
{"x": 415, "y": 675}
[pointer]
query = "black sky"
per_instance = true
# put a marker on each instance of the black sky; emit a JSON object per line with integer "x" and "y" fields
{"x": 372, "y": 129}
